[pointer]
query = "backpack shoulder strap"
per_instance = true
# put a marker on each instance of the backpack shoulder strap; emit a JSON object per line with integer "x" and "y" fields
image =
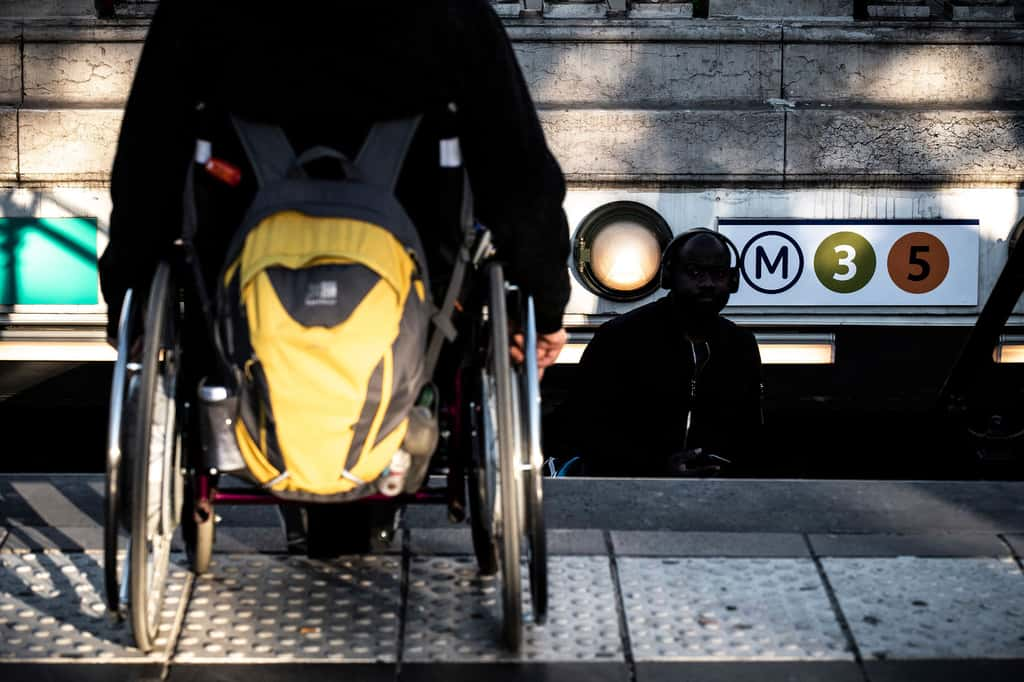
{"x": 383, "y": 153}
{"x": 268, "y": 149}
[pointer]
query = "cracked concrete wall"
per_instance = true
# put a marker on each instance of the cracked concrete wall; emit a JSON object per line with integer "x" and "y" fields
{"x": 10, "y": 74}
{"x": 656, "y": 74}
{"x": 68, "y": 144}
{"x": 681, "y": 101}
{"x": 664, "y": 145}
{"x": 85, "y": 73}
{"x": 903, "y": 144}
{"x": 903, "y": 74}
{"x": 8, "y": 144}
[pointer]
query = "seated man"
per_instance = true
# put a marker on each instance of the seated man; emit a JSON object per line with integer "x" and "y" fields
{"x": 671, "y": 388}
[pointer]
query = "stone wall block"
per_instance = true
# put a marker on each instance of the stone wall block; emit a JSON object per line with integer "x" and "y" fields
{"x": 10, "y": 74}
{"x": 761, "y": 9}
{"x": 68, "y": 144}
{"x": 637, "y": 145}
{"x": 79, "y": 73}
{"x": 650, "y": 74}
{"x": 907, "y": 74}
{"x": 985, "y": 146}
{"x": 8, "y": 143}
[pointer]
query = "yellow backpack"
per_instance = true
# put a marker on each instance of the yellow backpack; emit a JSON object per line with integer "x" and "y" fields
{"x": 323, "y": 316}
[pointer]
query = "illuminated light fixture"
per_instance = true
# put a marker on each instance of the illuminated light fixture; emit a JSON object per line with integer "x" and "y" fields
{"x": 775, "y": 348}
{"x": 56, "y": 351}
{"x": 617, "y": 250}
{"x": 1010, "y": 349}
{"x": 796, "y": 349}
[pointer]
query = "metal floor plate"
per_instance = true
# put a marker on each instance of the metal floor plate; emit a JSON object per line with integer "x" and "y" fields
{"x": 911, "y": 607}
{"x": 52, "y": 607}
{"x": 453, "y": 614}
{"x": 728, "y": 609}
{"x": 282, "y": 608}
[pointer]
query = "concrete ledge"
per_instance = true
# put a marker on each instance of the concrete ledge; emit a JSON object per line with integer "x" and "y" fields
{"x": 79, "y": 73}
{"x": 86, "y": 30}
{"x": 766, "y": 671}
{"x": 459, "y": 541}
{"x": 899, "y": 74}
{"x": 649, "y": 75}
{"x": 597, "y": 144}
{"x": 1016, "y": 542}
{"x": 780, "y": 9}
{"x": 68, "y": 144}
{"x": 1011, "y": 670}
{"x": 609, "y": 671}
{"x": 931, "y": 545}
{"x": 983, "y": 144}
{"x": 667, "y": 543}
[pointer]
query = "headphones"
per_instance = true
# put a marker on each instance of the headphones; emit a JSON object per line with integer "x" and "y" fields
{"x": 676, "y": 245}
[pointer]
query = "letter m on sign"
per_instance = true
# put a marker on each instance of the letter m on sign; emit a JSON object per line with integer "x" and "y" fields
{"x": 781, "y": 260}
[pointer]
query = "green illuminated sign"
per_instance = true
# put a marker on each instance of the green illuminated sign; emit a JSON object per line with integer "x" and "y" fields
{"x": 48, "y": 261}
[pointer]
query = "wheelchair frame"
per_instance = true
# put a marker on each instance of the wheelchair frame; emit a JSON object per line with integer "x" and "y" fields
{"x": 498, "y": 449}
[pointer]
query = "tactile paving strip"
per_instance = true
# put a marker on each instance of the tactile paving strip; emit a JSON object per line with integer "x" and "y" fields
{"x": 453, "y": 614}
{"x": 911, "y": 607}
{"x": 728, "y": 609}
{"x": 52, "y": 607}
{"x": 282, "y": 608}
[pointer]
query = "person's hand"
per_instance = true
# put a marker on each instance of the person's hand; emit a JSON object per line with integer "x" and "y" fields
{"x": 548, "y": 348}
{"x": 694, "y": 462}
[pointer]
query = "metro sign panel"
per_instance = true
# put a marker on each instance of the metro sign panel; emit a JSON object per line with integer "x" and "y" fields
{"x": 855, "y": 262}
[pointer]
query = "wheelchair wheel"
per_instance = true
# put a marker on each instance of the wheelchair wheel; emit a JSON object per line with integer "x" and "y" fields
{"x": 155, "y": 461}
{"x": 533, "y": 464}
{"x": 119, "y": 416}
{"x": 502, "y": 442}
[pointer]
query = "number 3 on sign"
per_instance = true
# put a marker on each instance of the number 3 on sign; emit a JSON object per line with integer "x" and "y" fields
{"x": 844, "y": 262}
{"x": 918, "y": 262}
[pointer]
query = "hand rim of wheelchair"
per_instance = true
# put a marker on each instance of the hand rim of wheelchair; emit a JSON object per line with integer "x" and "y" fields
{"x": 112, "y": 509}
{"x": 533, "y": 480}
{"x": 153, "y": 522}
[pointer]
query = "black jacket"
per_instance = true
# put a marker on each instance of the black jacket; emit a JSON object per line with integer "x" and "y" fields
{"x": 627, "y": 409}
{"x": 326, "y": 71}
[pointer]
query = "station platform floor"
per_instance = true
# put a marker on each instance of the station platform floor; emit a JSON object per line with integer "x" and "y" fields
{"x": 650, "y": 581}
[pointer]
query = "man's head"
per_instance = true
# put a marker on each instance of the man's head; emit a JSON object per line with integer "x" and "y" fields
{"x": 697, "y": 272}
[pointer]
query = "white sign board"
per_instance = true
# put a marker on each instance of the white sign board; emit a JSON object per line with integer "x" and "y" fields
{"x": 855, "y": 262}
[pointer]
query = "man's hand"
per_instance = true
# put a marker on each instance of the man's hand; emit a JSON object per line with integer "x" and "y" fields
{"x": 548, "y": 348}
{"x": 695, "y": 463}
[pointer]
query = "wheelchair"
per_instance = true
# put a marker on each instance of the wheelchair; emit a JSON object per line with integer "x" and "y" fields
{"x": 154, "y": 483}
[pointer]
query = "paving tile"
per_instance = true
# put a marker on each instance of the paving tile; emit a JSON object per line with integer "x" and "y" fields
{"x": 728, "y": 609}
{"x": 454, "y": 615}
{"x": 913, "y": 608}
{"x": 68, "y": 539}
{"x": 52, "y": 608}
{"x": 930, "y": 545}
{"x": 282, "y": 608}
{"x": 669, "y": 543}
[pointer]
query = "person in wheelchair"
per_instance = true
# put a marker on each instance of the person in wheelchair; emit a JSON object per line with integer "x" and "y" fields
{"x": 325, "y": 75}
{"x": 672, "y": 388}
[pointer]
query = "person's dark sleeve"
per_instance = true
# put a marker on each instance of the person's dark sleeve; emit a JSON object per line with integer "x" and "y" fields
{"x": 153, "y": 153}
{"x": 744, "y": 437}
{"x": 518, "y": 186}
{"x": 595, "y": 409}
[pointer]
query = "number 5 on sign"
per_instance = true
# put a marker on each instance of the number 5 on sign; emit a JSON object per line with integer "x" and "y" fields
{"x": 918, "y": 262}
